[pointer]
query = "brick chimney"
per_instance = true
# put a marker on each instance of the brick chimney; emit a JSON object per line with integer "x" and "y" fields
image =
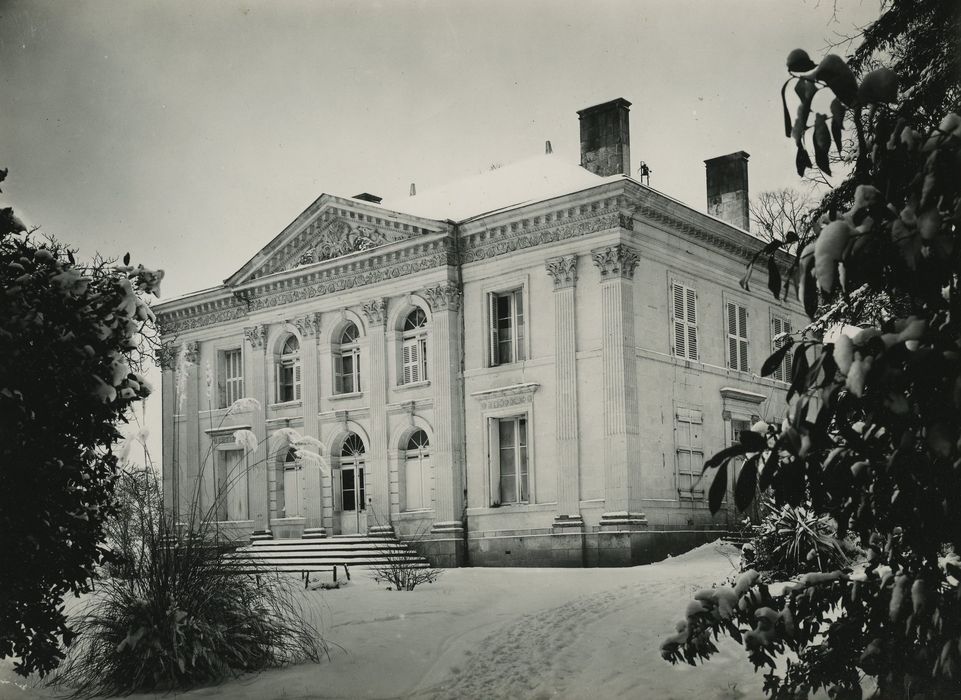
{"x": 606, "y": 138}
{"x": 727, "y": 194}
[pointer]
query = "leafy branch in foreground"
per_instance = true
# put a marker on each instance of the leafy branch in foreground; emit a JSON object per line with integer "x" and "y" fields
{"x": 872, "y": 435}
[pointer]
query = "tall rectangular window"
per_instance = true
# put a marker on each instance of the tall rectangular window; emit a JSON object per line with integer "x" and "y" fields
{"x": 737, "y": 337}
{"x": 288, "y": 380}
{"x": 506, "y": 326}
{"x": 230, "y": 378}
{"x": 510, "y": 480}
{"x": 684, "y": 320}
{"x": 689, "y": 450}
{"x": 348, "y": 371}
{"x": 779, "y": 328}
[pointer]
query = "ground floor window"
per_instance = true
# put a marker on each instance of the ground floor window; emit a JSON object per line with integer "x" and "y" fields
{"x": 417, "y": 472}
{"x": 352, "y": 489}
{"x": 689, "y": 450}
{"x": 230, "y": 476}
{"x": 510, "y": 482}
{"x": 293, "y": 486}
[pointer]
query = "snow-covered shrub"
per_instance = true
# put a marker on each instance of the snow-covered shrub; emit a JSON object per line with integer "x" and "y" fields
{"x": 793, "y": 540}
{"x": 69, "y": 371}
{"x": 191, "y": 611}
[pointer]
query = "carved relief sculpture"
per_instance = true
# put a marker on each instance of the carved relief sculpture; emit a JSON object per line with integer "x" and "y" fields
{"x": 446, "y": 296}
{"x": 376, "y": 311}
{"x": 256, "y": 335}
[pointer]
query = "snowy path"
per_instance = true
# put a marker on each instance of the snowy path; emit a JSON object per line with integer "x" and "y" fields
{"x": 506, "y": 633}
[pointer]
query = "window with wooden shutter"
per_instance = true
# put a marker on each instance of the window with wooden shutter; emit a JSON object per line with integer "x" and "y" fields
{"x": 506, "y": 326}
{"x": 780, "y": 328}
{"x": 288, "y": 371}
{"x": 684, "y": 321}
{"x": 689, "y": 450}
{"x": 347, "y": 361}
{"x": 737, "y": 337}
{"x": 233, "y": 376}
{"x": 510, "y": 478}
{"x": 414, "y": 348}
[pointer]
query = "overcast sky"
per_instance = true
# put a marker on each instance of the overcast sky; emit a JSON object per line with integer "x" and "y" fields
{"x": 190, "y": 133}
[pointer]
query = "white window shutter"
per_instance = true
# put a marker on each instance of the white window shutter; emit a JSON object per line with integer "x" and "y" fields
{"x": 338, "y": 374}
{"x": 356, "y": 363}
{"x": 422, "y": 346}
{"x": 297, "y": 380}
{"x": 517, "y": 325}
{"x": 494, "y": 452}
{"x": 680, "y": 346}
{"x": 492, "y": 327}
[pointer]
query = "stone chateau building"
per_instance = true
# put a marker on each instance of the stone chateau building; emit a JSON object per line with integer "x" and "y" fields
{"x": 527, "y": 367}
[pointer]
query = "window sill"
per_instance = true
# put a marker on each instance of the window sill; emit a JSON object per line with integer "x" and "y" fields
{"x": 412, "y": 385}
{"x": 344, "y": 397}
{"x": 285, "y": 404}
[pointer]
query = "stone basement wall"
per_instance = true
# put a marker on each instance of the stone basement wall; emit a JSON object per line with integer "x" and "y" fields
{"x": 543, "y": 548}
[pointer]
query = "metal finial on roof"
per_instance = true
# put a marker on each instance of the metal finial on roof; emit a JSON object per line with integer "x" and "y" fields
{"x": 413, "y": 189}
{"x": 547, "y": 148}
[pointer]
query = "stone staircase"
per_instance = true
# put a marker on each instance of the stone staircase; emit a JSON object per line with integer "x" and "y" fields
{"x": 356, "y": 552}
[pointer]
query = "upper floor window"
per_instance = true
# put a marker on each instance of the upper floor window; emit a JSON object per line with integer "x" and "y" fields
{"x": 230, "y": 380}
{"x": 415, "y": 347}
{"x": 781, "y": 327}
{"x": 288, "y": 371}
{"x": 506, "y": 325}
{"x": 737, "y": 337}
{"x": 347, "y": 360}
{"x": 684, "y": 321}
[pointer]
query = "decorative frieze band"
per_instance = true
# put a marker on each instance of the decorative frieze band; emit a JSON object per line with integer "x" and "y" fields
{"x": 615, "y": 261}
{"x": 256, "y": 335}
{"x": 376, "y": 311}
{"x": 446, "y": 296}
{"x": 563, "y": 271}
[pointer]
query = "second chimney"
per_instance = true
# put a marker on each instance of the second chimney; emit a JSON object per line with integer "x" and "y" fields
{"x": 727, "y": 194}
{"x": 606, "y": 138}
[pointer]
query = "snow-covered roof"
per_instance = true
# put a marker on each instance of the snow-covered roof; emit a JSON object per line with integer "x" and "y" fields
{"x": 525, "y": 181}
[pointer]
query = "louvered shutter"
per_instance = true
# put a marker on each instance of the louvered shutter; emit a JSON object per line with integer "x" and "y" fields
{"x": 691, "y": 299}
{"x": 779, "y": 326}
{"x": 339, "y": 374}
{"x": 412, "y": 361}
{"x": 742, "y": 341}
{"x": 732, "y": 344}
{"x": 297, "y": 380}
{"x": 494, "y": 452}
{"x": 422, "y": 347}
{"x": 492, "y": 325}
{"x": 517, "y": 309}
{"x": 680, "y": 344}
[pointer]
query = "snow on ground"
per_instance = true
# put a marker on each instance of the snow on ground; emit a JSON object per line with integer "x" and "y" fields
{"x": 504, "y": 633}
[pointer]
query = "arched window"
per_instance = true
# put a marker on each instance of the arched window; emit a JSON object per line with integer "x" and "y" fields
{"x": 293, "y": 485}
{"x": 417, "y": 472}
{"x": 347, "y": 360}
{"x": 414, "y": 362}
{"x": 288, "y": 371}
{"x": 352, "y": 457}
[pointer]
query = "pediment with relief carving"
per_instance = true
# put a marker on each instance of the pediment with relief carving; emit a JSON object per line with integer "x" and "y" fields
{"x": 327, "y": 238}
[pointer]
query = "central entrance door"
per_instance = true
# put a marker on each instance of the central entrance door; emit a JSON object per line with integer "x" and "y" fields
{"x": 353, "y": 486}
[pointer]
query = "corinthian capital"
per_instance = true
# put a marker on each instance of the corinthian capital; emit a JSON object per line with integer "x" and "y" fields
{"x": 615, "y": 261}
{"x": 563, "y": 270}
{"x": 445, "y": 296}
{"x": 376, "y": 311}
{"x": 256, "y": 335}
{"x": 308, "y": 325}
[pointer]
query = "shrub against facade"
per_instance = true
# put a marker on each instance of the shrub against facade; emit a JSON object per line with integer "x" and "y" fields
{"x": 874, "y": 419}
{"x": 68, "y": 373}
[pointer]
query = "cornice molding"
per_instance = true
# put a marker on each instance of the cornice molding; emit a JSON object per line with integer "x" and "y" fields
{"x": 615, "y": 261}
{"x": 563, "y": 270}
{"x": 502, "y": 397}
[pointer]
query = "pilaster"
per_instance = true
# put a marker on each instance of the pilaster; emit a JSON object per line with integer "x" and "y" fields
{"x": 255, "y": 386}
{"x": 622, "y": 487}
{"x": 378, "y": 476}
{"x": 309, "y": 328}
{"x": 563, "y": 271}
{"x": 446, "y": 450}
